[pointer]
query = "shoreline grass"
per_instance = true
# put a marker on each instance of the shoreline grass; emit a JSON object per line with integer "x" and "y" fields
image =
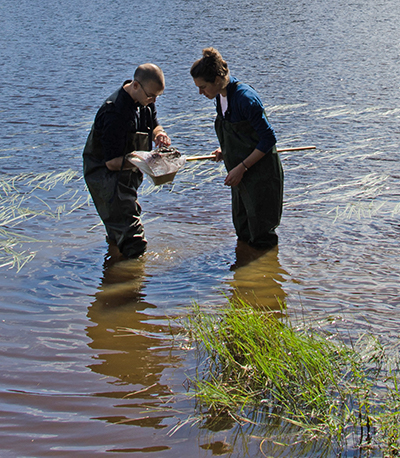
{"x": 260, "y": 367}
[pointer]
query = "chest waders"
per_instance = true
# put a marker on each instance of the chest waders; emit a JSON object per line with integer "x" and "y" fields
{"x": 115, "y": 194}
{"x": 257, "y": 200}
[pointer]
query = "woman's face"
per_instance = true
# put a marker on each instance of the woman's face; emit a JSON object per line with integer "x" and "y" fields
{"x": 210, "y": 90}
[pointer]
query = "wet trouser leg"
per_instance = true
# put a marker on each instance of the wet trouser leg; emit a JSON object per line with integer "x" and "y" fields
{"x": 115, "y": 198}
{"x": 252, "y": 227}
{"x": 239, "y": 216}
{"x": 256, "y": 212}
{"x": 125, "y": 225}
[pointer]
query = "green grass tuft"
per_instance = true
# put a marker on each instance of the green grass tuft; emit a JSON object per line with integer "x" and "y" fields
{"x": 258, "y": 364}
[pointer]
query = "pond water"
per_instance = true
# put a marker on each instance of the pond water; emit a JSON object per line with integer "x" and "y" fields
{"x": 88, "y": 363}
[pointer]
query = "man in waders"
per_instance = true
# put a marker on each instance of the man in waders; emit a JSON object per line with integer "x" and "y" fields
{"x": 126, "y": 122}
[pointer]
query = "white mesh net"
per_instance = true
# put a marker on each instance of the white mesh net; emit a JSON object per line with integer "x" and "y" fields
{"x": 160, "y": 164}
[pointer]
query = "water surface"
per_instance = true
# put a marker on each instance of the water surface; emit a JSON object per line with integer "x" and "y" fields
{"x": 89, "y": 366}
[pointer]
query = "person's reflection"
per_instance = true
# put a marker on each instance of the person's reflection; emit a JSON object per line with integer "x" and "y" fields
{"x": 257, "y": 280}
{"x": 131, "y": 343}
{"x": 258, "y": 276}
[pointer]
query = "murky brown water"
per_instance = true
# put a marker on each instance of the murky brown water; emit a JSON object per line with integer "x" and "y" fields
{"x": 88, "y": 363}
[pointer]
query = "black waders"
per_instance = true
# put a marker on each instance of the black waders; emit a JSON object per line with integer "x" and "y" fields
{"x": 257, "y": 200}
{"x": 115, "y": 195}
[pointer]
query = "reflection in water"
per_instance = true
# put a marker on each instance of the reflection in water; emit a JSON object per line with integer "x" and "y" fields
{"x": 258, "y": 276}
{"x": 132, "y": 344}
{"x": 218, "y": 448}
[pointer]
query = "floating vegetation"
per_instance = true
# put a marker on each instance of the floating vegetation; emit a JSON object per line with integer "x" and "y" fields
{"x": 257, "y": 367}
{"x": 23, "y": 197}
{"x": 360, "y": 198}
{"x": 359, "y": 210}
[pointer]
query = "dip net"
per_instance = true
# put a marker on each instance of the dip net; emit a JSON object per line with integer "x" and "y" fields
{"x": 160, "y": 164}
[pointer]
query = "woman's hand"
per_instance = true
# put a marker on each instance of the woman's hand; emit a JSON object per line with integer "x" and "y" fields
{"x": 235, "y": 176}
{"x": 218, "y": 155}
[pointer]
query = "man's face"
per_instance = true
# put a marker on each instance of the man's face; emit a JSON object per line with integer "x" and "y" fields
{"x": 148, "y": 91}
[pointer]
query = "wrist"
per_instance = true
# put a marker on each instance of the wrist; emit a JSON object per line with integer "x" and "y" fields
{"x": 245, "y": 166}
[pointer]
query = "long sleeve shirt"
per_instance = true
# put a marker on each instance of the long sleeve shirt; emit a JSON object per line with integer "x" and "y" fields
{"x": 120, "y": 116}
{"x": 245, "y": 104}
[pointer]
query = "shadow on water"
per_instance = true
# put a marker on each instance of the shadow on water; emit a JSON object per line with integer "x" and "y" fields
{"x": 258, "y": 276}
{"x": 131, "y": 347}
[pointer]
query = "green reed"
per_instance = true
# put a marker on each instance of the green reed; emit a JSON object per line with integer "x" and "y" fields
{"x": 258, "y": 366}
{"x": 25, "y": 196}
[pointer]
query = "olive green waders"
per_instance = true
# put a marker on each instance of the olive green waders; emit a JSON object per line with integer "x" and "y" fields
{"x": 257, "y": 200}
{"x": 115, "y": 194}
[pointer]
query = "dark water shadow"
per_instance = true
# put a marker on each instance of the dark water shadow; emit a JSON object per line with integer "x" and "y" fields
{"x": 258, "y": 277}
{"x": 133, "y": 346}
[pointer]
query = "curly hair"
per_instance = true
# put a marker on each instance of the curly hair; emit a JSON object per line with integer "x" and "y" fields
{"x": 209, "y": 66}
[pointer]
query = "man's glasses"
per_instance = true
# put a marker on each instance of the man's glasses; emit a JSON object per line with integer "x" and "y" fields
{"x": 149, "y": 96}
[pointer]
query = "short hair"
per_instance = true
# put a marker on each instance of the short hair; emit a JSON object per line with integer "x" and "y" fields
{"x": 210, "y": 66}
{"x": 149, "y": 72}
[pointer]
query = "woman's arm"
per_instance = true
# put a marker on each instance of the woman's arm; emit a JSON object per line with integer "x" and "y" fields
{"x": 115, "y": 164}
{"x": 247, "y": 105}
{"x": 235, "y": 176}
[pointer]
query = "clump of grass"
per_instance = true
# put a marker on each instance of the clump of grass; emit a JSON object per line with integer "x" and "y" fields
{"x": 258, "y": 361}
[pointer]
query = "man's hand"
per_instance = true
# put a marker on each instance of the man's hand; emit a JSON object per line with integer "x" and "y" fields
{"x": 161, "y": 139}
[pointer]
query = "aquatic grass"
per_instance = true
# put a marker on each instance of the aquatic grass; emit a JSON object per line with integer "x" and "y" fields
{"x": 356, "y": 198}
{"x": 9, "y": 256}
{"x": 255, "y": 363}
{"x": 360, "y": 210}
{"x": 26, "y": 196}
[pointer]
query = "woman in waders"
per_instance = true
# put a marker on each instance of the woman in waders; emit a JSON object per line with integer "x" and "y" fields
{"x": 247, "y": 146}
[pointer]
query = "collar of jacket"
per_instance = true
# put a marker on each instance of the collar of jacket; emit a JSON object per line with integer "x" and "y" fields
{"x": 230, "y": 89}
